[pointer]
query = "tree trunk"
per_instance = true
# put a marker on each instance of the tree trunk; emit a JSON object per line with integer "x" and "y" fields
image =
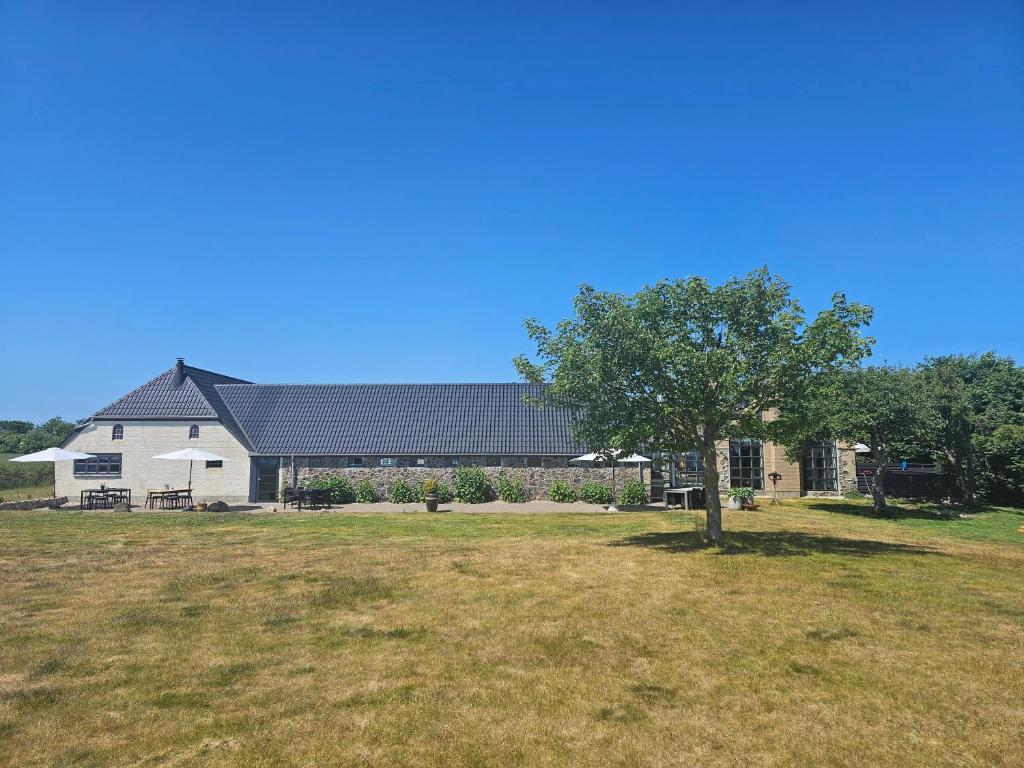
{"x": 878, "y": 481}
{"x": 713, "y": 500}
{"x": 970, "y": 478}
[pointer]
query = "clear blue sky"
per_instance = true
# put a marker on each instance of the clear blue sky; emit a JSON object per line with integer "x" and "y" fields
{"x": 382, "y": 191}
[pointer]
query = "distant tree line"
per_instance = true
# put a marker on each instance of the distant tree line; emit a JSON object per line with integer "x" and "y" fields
{"x": 22, "y": 437}
{"x": 26, "y": 437}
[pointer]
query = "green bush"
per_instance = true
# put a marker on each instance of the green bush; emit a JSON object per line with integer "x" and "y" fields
{"x": 633, "y": 492}
{"x": 510, "y": 489}
{"x": 366, "y": 493}
{"x": 341, "y": 488}
{"x": 429, "y": 486}
{"x": 742, "y": 494}
{"x": 403, "y": 493}
{"x": 595, "y": 493}
{"x": 470, "y": 485}
{"x": 561, "y": 492}
{"x": 444, "y": 494}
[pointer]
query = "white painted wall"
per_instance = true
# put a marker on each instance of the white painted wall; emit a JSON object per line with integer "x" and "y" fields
{"x": 141, "y": 472}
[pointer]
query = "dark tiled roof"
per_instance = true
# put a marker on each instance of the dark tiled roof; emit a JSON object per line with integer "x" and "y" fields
{"x": 398, "y": 419}
{"x": 195, "y": 398}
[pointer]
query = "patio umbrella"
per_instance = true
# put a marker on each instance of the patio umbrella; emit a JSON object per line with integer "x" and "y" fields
{"x": 190, "y": 455}
{"x": 53, "y": 455}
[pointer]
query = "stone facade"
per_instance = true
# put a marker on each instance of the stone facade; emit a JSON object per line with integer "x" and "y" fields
{"x": 536, "y": 480}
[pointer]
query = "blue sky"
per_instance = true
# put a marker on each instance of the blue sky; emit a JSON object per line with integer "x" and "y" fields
{"x": 383, "y": 191}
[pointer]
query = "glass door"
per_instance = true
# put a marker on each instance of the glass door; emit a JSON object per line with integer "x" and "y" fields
{"x": 267, "y": 477}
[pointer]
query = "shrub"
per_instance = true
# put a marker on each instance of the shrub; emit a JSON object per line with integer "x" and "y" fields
{"x": 341, "y": 488}
{"x": 742, "y": 494}
{"x": 633, "y": 492}
{"x": 595, "y": 493}
{"x": 429, "y": 486}
{"x": 366, "y": 493}
{"x": 511, "y": 490}
{"x": 562, "y": 492}
{"x": 471, "y": 485}
{"x": 444, "y": 494}
{"x": 403, "y": 493}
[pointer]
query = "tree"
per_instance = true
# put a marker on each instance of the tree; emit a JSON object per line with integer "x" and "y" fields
{"x": 886, "y": 408}
{"x": 683, "y": 364}
{"x": 20, "y": 439}
{"x": 978, "y": 401}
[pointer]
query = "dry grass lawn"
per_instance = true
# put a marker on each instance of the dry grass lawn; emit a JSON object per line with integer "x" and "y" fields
{"x": 814, "y": 637}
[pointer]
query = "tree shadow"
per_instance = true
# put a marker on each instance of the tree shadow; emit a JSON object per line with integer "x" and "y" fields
{"x": 771, "y": 544}
{"x": 891, "y": 513}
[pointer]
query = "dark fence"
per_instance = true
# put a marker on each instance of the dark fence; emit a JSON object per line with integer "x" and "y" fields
{"x": 917, "y": 481}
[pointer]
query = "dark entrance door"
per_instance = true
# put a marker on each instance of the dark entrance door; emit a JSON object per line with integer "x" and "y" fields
{"x": 267, "y": 478}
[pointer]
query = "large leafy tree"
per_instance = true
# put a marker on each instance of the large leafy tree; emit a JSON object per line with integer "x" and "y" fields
{"x": 886, "y": 408}
{"x": 979, "y": 406}
{"x": 683, "y": 364}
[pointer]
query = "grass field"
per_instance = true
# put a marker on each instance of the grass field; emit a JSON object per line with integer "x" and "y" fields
{"x": 816, "y": 636}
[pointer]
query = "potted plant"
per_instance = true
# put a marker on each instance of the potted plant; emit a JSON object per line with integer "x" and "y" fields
{"x": 430, "y": 494}
{"x": 741, "y": 498}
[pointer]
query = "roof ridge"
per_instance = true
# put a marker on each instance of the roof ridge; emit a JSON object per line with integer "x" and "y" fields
{"x": 234, "y": 379}
{"x": 390, "y": 384}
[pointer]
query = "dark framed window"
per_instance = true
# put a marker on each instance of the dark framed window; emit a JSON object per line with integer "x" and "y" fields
{"x": 493, "y": 461}
{"x": 117, "y": 433}
{"x": 103, "y": 464}
{"x": 452, "y": 461}
{"x": 820, "y": 466}
{"x": 746, "y": 463}
{"x": 193, "y": 432}
{"x": 388, "y": 461}
{"x": 355, "y": 461}
{"x": 689, "y": 469}
{"x": 534, "y": 461}
{"x": 417, "y": 461}
{"x": 214, "y": 464}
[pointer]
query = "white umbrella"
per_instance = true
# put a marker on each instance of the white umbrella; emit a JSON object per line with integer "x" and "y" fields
{"x": 190, "y": 455}
{"x": 631, "y": 459}
{"x": 860, "y": 448}
{"x": 54, "y": 455}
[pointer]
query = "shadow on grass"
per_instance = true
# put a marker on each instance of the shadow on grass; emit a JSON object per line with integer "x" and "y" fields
{"x": 776, "y": 544}
{"x": 892, "y": 513}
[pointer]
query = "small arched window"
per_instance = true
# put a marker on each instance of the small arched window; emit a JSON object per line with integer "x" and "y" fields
{"x": 193, "y": 432}
{"x": 117, "y": 433}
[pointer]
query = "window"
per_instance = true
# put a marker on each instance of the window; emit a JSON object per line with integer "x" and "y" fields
{"x": 689, "y": 470}
{"x": 117, "y": 433}
{"x": 214, "y": 464}
{"x": 533, "y": 461}
{"x": 355, "y": 461}
{"x": 193, "y": 432}
{"x": 100, "y": 464}
{"x": 820, "y": 466}
{"x": 452, "y": 461}
{"x": 746, "y": 464}
{"x": 388, "y": 461}
{"x": 417, "y": 461}
{"x": 493, "y": 461}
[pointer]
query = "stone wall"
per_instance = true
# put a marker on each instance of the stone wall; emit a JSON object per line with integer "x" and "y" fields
{"x": 33, "y": 503}
{"x": 536, "y": 480}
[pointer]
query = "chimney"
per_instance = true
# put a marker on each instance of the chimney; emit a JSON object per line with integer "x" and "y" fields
{"x": 179, "y": 372}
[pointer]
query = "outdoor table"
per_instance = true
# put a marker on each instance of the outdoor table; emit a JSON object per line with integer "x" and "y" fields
{"x": 104, "y": 493}
{"x": 682, "y": 493}
{"x": 152, "y": 495}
